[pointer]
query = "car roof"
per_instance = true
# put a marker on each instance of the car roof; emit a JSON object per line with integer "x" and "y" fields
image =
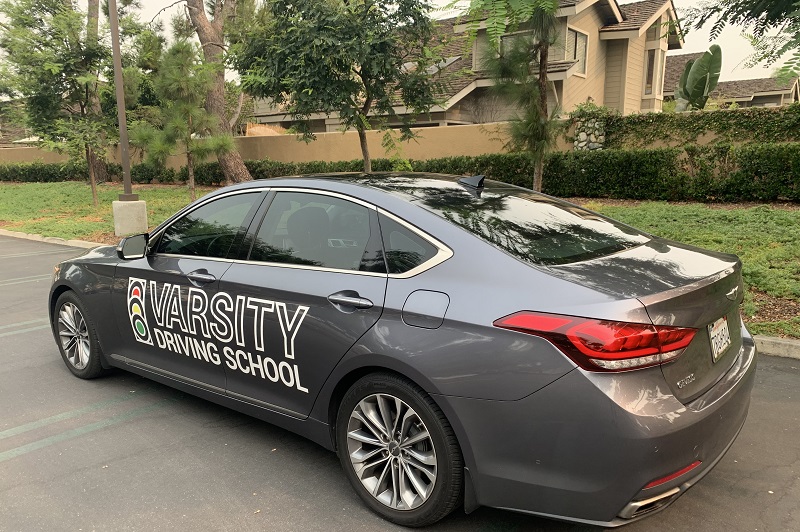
{"x": 406, "y": 185}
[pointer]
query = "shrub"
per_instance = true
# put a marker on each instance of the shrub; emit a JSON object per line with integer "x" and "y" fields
{"x": 720, "y": 172}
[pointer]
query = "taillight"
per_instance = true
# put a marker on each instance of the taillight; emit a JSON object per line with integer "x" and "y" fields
{"x": 602, "y": 345}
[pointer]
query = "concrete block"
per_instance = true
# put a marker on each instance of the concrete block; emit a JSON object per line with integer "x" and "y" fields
{"x": 130, "y": 217}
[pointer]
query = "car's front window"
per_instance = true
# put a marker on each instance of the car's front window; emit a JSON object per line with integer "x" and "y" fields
{"x": 209, "y": 230}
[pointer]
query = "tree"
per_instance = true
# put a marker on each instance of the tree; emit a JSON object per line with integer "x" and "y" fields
{"x": 514, "y": 69}
{"x": 356, "y": 59}
{"x": 212, "y": 35}
{"x": 54, "y": 59}
{"x": 774, "y": 26}
{"x": 181, "y": 84}
{"x": 517, "y": 79}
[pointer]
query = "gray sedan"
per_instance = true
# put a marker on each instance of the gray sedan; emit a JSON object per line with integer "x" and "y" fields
{"x": 457, "y": 341}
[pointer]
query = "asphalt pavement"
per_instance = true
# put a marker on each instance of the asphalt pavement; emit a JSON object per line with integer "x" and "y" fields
{"x": 123, "y": 453}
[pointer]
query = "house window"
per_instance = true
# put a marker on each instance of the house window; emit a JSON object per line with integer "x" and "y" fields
{"x": 652, "y": 32}
{"x": 649, "y": 73}
{"x": 480, "y": 51}
{"x": 662, "y": 61}
{"x": 576, "y": 48}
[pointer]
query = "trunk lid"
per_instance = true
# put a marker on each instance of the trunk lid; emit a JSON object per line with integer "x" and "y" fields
{"x": 681, "y": 286}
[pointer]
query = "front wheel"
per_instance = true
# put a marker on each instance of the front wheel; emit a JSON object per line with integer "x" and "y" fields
{"x": 76, "y": 337}
{"x": 399, "y": 451}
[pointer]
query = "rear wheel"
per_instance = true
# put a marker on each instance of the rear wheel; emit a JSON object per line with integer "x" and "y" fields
{"x": 76, "y": 337}
{"x": 398, "y": 451}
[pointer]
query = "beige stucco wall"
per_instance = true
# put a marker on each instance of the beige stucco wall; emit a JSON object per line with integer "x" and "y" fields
{"x": 432, "y": 143}
{"x": 30, "y": 155}
{"x": 577, "y": 88}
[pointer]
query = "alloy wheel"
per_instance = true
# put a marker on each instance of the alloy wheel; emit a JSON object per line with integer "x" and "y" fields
{"x": 74, "y": 335}
{"x": 391, "y": 451}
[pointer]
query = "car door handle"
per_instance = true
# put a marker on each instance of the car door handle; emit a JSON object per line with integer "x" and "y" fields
{"x": 200, "y": 277}
{"x": 348, "y": 298}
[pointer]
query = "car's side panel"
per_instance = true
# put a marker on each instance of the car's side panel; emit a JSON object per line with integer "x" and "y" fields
{"x": 314, "y": 430}
{"x": 294, "y": 336}
{"x": 91, "y": 277}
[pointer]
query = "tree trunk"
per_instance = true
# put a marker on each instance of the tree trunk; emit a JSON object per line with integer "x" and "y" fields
{"x": 98, "y": 171}
{"x": 190, "y": 172}
{"x": 538, "y": 170}
{"x": 212, "y": 38}
{"x": 544, "y": 52}
{"x": 90, "y": 162}
{"x": 362, "y": 139}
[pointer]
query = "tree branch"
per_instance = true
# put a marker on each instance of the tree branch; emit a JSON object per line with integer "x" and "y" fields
{"x": 173, "y": 4}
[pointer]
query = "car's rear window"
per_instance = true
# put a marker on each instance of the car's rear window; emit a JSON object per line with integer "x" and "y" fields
{"x": 531, "y": 227}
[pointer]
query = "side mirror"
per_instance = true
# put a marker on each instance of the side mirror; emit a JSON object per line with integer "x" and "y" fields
{"x": 132, "y": 247}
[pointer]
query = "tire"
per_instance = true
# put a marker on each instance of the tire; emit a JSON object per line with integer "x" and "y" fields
{"x": 76, "y": 337}
{"x": 428, "y": 468}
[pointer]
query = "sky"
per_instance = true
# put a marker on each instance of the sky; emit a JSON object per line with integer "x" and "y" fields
{"x": 735, "y": 49}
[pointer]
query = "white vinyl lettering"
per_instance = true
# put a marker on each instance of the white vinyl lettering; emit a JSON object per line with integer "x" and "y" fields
{"x": 290, "y": 328}
{"x": 261, "y": 307}
{"x": 175, "y": 310}
{"x": 221, "y": 326}
{"x": 159, "y": 306}
{"x": 197, "y": 306}
{"x": 211, "y": 329}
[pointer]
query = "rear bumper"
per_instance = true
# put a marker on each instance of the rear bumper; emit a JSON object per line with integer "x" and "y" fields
{"x": 583, "y": 448}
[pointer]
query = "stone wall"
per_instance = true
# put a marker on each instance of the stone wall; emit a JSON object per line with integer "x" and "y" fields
{"x": 590, "y": 135}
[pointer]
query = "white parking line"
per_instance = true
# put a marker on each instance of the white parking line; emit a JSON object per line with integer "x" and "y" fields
{"x": 21, "y": 280}
{"x": 29, "y": 329}
{"x": 31, "y": 253}
{"x": 30, "y": 322}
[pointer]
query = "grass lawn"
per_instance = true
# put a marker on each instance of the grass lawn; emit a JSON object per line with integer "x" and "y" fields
{"x": 65, "y": 209}
{"x": 766, "y": 237}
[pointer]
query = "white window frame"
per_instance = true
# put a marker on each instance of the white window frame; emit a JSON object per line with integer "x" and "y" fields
{"x": 586, "y": 58}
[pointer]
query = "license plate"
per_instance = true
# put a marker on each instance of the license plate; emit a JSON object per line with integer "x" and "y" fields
{"x": 720, "y": 337}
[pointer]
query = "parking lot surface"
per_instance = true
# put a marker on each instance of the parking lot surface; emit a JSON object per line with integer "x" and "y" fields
{"x": 123, "y": 453}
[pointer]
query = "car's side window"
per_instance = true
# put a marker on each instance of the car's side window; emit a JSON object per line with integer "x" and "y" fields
{"x": 209, "y": 230}
{"x": 404, "y": 249}
{"x": 316, "y": 230}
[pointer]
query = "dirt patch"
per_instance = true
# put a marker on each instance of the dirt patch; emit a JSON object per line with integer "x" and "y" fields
{"x": 773, "y": 308}
{"x": 103, "y": 237}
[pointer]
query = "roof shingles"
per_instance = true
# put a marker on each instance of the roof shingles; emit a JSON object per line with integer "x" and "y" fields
{"x": 636, "y": 15}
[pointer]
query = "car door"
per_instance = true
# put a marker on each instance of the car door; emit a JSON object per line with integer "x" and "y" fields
{"x": 163, "y": 301}
{"x": 312, "y": 282}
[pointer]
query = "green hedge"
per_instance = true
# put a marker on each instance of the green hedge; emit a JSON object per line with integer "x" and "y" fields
{"x": 749, "y": 124}
{"x": 721, "y": 172}
{"x": 43, "y": 172}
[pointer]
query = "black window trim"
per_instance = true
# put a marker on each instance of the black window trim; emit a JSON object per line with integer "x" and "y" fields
{"x": 154, "y": 238}
{"x": 443, "y": 251}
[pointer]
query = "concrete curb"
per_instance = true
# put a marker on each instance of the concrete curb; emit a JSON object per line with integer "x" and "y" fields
{"x": 766, "y": 345}
{"x": 778, "y": 347}
{"x": 85, "y": 244}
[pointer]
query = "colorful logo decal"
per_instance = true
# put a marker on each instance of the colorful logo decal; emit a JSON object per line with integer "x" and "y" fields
{"x": 141, "y": 331}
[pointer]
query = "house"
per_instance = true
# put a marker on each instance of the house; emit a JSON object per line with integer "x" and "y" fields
{"x": 758, "y": 92}
{"x": 607, "y": 53}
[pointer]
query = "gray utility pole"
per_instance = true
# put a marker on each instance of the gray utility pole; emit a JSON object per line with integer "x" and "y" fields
{"x": 130, "y": 214}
